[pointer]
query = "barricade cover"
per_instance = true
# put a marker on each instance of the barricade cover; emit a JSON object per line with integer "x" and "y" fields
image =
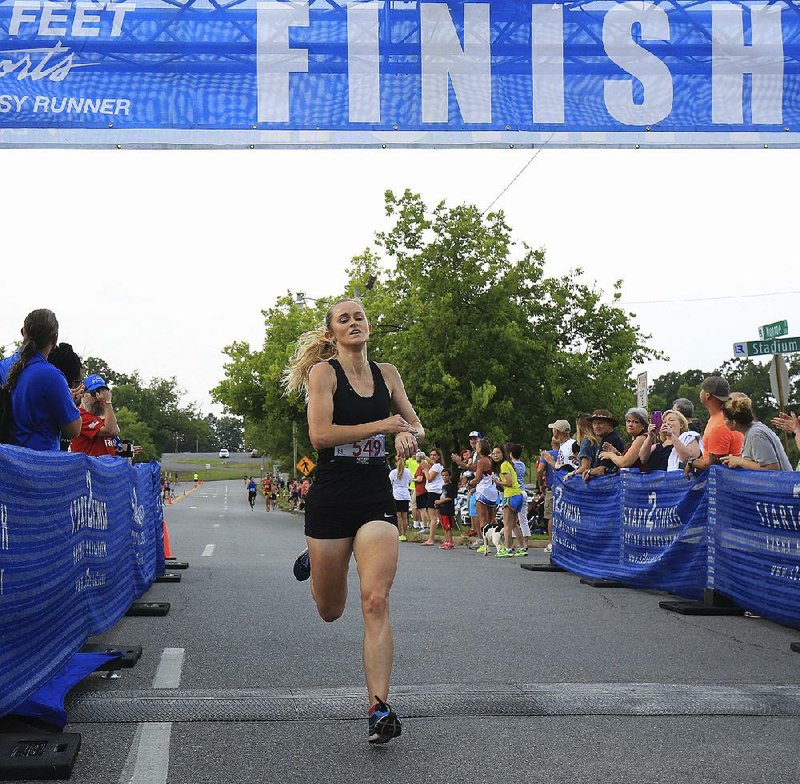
{"x": 754, "y": 518}
{"x": 664, "y": 542}
{"x": 586, "y": 525}
{"x": 79, "y": 538}
{"x": 733, "y": 531}
{"x": 381, "y": 72}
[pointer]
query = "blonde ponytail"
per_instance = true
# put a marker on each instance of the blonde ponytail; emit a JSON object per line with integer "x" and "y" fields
{"x": 312, "y": 347}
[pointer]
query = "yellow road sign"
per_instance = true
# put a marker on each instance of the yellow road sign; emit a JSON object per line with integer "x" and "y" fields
{"x": 305, "y": 465}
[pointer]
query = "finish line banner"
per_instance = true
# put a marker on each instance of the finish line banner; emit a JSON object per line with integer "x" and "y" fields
{"x": 309, "y": 73}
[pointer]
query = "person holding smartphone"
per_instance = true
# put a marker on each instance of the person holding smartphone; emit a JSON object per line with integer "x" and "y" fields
{"x": 685, "y": 443}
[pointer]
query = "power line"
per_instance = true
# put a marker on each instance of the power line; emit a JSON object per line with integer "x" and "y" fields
{"x": 704, "y": 299}
{"x": 518, "y": 174}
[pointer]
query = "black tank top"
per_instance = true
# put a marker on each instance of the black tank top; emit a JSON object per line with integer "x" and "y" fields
{"x": 357, "y": 479}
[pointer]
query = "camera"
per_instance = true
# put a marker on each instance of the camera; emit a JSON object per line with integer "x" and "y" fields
{"x": 124, "y": 449}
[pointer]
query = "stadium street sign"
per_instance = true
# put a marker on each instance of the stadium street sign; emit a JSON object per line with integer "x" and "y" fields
{"x": 775, "y": 330}
{"x": 763, "y": 348}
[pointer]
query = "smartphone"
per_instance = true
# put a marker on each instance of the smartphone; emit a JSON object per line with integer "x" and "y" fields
{"x": 656, "y": 418}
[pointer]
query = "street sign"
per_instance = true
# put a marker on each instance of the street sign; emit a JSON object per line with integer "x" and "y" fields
{"x": 641, "y": 390}
{"x": 776, "y": 330}
{"x": 305, "y": 465}
{"x": 763, "y": 348}
{"x": 779, "y": 380}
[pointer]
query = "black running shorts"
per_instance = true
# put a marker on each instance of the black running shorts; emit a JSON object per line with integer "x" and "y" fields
{"x": 332, "y": 522}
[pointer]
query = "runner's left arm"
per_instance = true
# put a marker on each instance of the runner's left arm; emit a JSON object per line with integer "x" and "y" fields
{"x": 399, "y": 400}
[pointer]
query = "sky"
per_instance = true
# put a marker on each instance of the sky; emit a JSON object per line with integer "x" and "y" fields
{"x": 155, "y": 260}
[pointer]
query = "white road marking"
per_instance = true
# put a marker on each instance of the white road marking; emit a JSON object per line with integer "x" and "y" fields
{"x": 209, "y": 551}
{"x": 216, "y": 525}
{"x": 168, "y": 675}
{"x": 148, "y": 758}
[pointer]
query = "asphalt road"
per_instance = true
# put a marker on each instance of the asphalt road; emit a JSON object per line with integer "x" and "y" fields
{"x": 503, "y": 675}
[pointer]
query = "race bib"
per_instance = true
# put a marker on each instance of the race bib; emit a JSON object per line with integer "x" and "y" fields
{"x": 368, "y": 451}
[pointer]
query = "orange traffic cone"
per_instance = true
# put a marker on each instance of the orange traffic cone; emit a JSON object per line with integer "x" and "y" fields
{"x": 167, "y": 550}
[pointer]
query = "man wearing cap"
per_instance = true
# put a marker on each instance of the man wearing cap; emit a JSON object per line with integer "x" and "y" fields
{"x": 99, "y": 428}
{"x": 468, "y": 468}
{"x": 561, "y": 433}
{"x": 718, "y": 441}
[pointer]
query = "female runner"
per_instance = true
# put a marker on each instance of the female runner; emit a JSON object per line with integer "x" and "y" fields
{"x": 350, "y": 508}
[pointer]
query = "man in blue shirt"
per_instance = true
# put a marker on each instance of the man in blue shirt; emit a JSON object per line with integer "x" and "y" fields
{"x": 41, "y": 403}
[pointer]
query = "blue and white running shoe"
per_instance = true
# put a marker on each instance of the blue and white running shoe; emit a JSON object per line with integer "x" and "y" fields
{"x": 384, "y": 723}
{"x": 302, "y": 566}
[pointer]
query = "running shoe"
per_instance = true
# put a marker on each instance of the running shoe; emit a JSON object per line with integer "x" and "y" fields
{"x": 504, "y": 553}
{"x": 472, "y": 532}
{"x": 549, "y": 548}
{"x": 446, "y": 546}
{"x": 384, "y": 723}
{"x": 302, "y": 566}
{"x": 520, "y": 551}
{"x": 402, "y": 538}
{"x": 482, "y": 549}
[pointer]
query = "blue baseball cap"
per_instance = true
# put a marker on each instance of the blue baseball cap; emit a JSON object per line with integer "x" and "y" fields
{"x": 93, "y": 382}
{"x": 476, "y": 434}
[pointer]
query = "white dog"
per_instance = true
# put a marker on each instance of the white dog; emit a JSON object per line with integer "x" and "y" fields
{"x": 492, "y": 536}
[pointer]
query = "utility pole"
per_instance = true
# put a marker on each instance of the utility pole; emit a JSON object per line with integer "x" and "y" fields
{"x": 294, "y": 447}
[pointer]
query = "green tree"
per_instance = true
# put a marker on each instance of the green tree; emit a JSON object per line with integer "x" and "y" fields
{"x": 482, "y": 337}
{"x": 252, "y": 389}
{"x": 132, "y": 429}
{"x": 96, "y": 365}
{"x": 229, "y": 433}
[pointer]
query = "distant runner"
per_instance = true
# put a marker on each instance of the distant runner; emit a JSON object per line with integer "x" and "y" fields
{"x": 252, "y": 491}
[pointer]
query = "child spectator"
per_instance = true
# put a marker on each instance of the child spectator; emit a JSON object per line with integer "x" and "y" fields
{"x": 444, "y": 504}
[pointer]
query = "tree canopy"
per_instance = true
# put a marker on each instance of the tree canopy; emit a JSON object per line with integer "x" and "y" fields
{"x": 481, "y": 335}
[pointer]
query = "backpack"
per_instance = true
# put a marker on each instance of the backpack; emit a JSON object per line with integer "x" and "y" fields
{"x": 6, "y": 417}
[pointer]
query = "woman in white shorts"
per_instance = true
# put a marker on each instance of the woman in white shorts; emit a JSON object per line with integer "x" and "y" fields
{"x": 400, "y": 477}
{"x": 485, "y": 489}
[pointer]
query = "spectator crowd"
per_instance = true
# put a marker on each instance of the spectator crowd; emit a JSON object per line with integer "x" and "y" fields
{"x": 486, "y": 487}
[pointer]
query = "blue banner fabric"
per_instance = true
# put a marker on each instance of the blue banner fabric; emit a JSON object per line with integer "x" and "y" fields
{"x": 754, "y": 518}
{"x": 47, "y": 703}
{"x": 79, "y": 540}
{"x": 586, "y": 525}
{"x": 379, "y": 72}
{"x": 664, "y": 543}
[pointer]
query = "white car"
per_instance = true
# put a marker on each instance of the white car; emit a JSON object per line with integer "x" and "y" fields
{"x": 224, "y": 453}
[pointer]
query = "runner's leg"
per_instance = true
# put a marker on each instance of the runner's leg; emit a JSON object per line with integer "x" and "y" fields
{"x": 330, "y": 560}
{"x": 376, "y": 548}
